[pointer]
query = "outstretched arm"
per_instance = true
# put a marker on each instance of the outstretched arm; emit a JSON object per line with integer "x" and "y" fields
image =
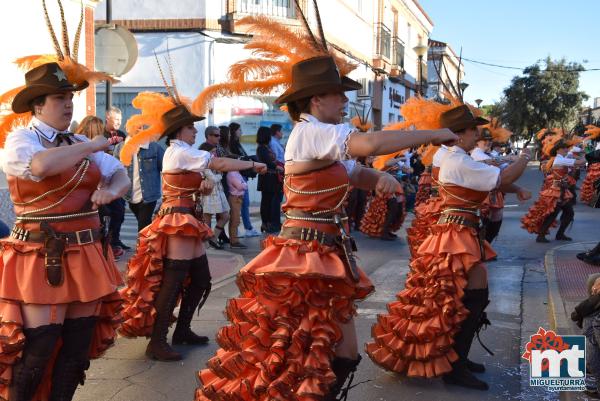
{"x": 386, "y": 142}
{"x": 371, "y": 179}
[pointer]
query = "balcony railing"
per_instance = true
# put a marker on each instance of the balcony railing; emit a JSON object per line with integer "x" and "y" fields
{"x": 273, "y": 8}
{"x": 384, "y": 41}
{"x": 398, "y": 59}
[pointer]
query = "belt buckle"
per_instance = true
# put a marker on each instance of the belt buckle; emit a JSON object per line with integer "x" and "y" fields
{"x": 84, "y": 237}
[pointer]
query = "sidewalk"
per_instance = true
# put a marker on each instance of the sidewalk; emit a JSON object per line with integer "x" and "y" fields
{"x": 567, "y": 277}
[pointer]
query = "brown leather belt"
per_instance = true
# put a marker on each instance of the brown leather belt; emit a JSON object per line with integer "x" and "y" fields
{"x": 176, "y": 209}
{"x": 309, "y": 234}
{"x": 447, "y": 218}
{"x": 81, "y": 237}
{"x": 343, "y": 241}
{"x": 54, "y": 246}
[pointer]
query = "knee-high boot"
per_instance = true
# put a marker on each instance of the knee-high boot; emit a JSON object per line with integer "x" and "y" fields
{"x": 391, "y": 216}
{"x": 546, "y": 226}
{"x": 344, "y": 369}
{"x": 174, "y": 273}
{"x": 27, "y": 374}
{"x": 492, "y": 229}
{"x": 565, "y": 219}
{"x": 73, "y": 359}
{"x": 194, "y": 296}
{"x": 475, "y": 301}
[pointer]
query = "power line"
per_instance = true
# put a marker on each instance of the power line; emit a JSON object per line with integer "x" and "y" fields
{"x": 521, "y": 69}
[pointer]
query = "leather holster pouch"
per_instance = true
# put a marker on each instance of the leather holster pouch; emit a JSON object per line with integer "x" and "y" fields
{"x": 54, "y": 247}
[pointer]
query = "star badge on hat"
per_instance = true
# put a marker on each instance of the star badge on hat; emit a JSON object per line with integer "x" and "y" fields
{"x": 60, "y": 75}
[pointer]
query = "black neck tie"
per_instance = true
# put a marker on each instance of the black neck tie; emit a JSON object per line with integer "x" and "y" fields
{"x": 64, "y": 136}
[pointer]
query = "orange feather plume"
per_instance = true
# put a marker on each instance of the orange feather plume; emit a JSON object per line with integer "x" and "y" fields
{"x": 499, "y": 134}
{"x": 592, "y": 131}
{"x": 146, "y": 126}
{"x": 275, "y": 49}
{"x": 363, "y": 126}
{"x": 427, "y": 153}
{"x": 549, "y": 143}
{"x": 379, "y": 162}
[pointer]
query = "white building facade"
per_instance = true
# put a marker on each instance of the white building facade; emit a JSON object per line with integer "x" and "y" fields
{"x": 445, "y": 70}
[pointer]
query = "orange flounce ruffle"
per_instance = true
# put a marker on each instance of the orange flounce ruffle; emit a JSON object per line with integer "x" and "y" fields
{"x": 587, "y": 188}
{"x": 424, "y": 188}
{"x": 12, "y": 340}
{"x": 416, "y": 336}
{"x": 373, "y": 220}
{"x": 284, "y": 326}
{"x": 426, "y": 215}
{"x": 144, "y": 276}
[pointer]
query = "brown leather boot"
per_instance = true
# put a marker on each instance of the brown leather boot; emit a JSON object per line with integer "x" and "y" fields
{"x": 174, "y": 273}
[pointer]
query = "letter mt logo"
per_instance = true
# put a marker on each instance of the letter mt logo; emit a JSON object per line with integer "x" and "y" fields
{"x": 556, "y": 362}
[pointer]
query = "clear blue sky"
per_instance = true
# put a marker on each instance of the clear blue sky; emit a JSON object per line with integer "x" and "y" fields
{"x": 517, "y": 33}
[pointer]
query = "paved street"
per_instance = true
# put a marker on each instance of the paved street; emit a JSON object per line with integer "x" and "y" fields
{"x": 519, "y": 293}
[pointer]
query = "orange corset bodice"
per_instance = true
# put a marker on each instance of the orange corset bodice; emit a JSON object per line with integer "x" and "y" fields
{"x": 64, "y": 194}
{"x": 454, "y": 196}
{"x": 320, "y": 192}
{"x": 181, "y": 189}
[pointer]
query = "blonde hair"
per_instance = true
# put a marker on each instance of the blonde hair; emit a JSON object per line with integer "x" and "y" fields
{"x": 90, "y": 126}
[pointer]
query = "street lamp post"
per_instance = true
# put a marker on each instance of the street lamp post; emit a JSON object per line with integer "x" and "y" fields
{"x": 420, "y": 50}
{"x": 478, "y": 101}
{"x": 463, "y": 86}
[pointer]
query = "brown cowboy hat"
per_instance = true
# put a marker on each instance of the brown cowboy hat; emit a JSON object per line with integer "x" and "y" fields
{"x": 316, "y": 76}
{"x": 461, "y": 118}
{"x": 560, "y": 144}
{"x": 178, "y": 117}
{"x": 46, "y": 79}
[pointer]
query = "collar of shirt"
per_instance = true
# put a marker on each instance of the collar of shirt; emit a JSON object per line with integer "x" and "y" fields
{"x": 179, "y": 143}
{"x": 309, "y": 118}
{"x": 144, "y": 145}
{"x": 457, "y": 149}
{"x": 45, "y": 130}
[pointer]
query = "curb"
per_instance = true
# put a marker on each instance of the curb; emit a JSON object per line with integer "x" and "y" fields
{"x": 558, "y": 315}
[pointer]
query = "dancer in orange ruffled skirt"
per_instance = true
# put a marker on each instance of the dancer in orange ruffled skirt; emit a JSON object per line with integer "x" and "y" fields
{"x": 385, "y": 213}
{"x": 593, "y": 168}
{"x": 291, "y": 334}
{"x": 171, "y": 249}
{"x": 430, "y": 327}
{"x": 557, "y": 197}
{"x": 58, "y": 281}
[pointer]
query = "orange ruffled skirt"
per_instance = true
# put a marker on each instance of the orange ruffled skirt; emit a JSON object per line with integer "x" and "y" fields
{"x": 144, "y": 276}
{"x": 416, "y": 336}
{"x": 88, "y": 276}
{"x": 424, "y": 188}
{"x": 373, "y": 220}
{"x": 284, "y": 326}
{"x": 587, "y": 188}
{"x": 426, "y": 216}
{"x": 542, "y": 208}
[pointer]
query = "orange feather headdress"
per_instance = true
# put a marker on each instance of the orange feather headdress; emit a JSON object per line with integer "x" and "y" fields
{"x": 499, "y": 134}
{"x": 149, "y": 126}
{"x": 275, "y": 49}
{"x": 592, "y": 132}
{"x": 76, "y": 73}
{"x": 424, "y": 114}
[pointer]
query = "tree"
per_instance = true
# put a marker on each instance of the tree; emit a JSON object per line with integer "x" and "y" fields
{"x": 541, "y": 98}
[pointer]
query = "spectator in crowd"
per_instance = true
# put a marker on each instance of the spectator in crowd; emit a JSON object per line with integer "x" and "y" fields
{"x": 144, "y": 173}
{"x": 587, "y": 317}
{"x": 237, "y": 188}
{"x": 269, "y": 184}
{"x": 277, "y": 148}
{"x": 236, "y": 148}
{"x": 216, "y": 202}
{"x": 116, "y": 209}
{"x": 90, "y": 126}
{"x": 113, "y": 123}
{"x": 275, "y": 144}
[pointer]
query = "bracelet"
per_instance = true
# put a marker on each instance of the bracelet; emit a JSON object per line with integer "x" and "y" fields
{"x": 252, "y": 163}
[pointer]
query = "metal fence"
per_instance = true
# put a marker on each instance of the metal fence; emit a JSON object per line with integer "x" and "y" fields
{"x": 274, "y": 8}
